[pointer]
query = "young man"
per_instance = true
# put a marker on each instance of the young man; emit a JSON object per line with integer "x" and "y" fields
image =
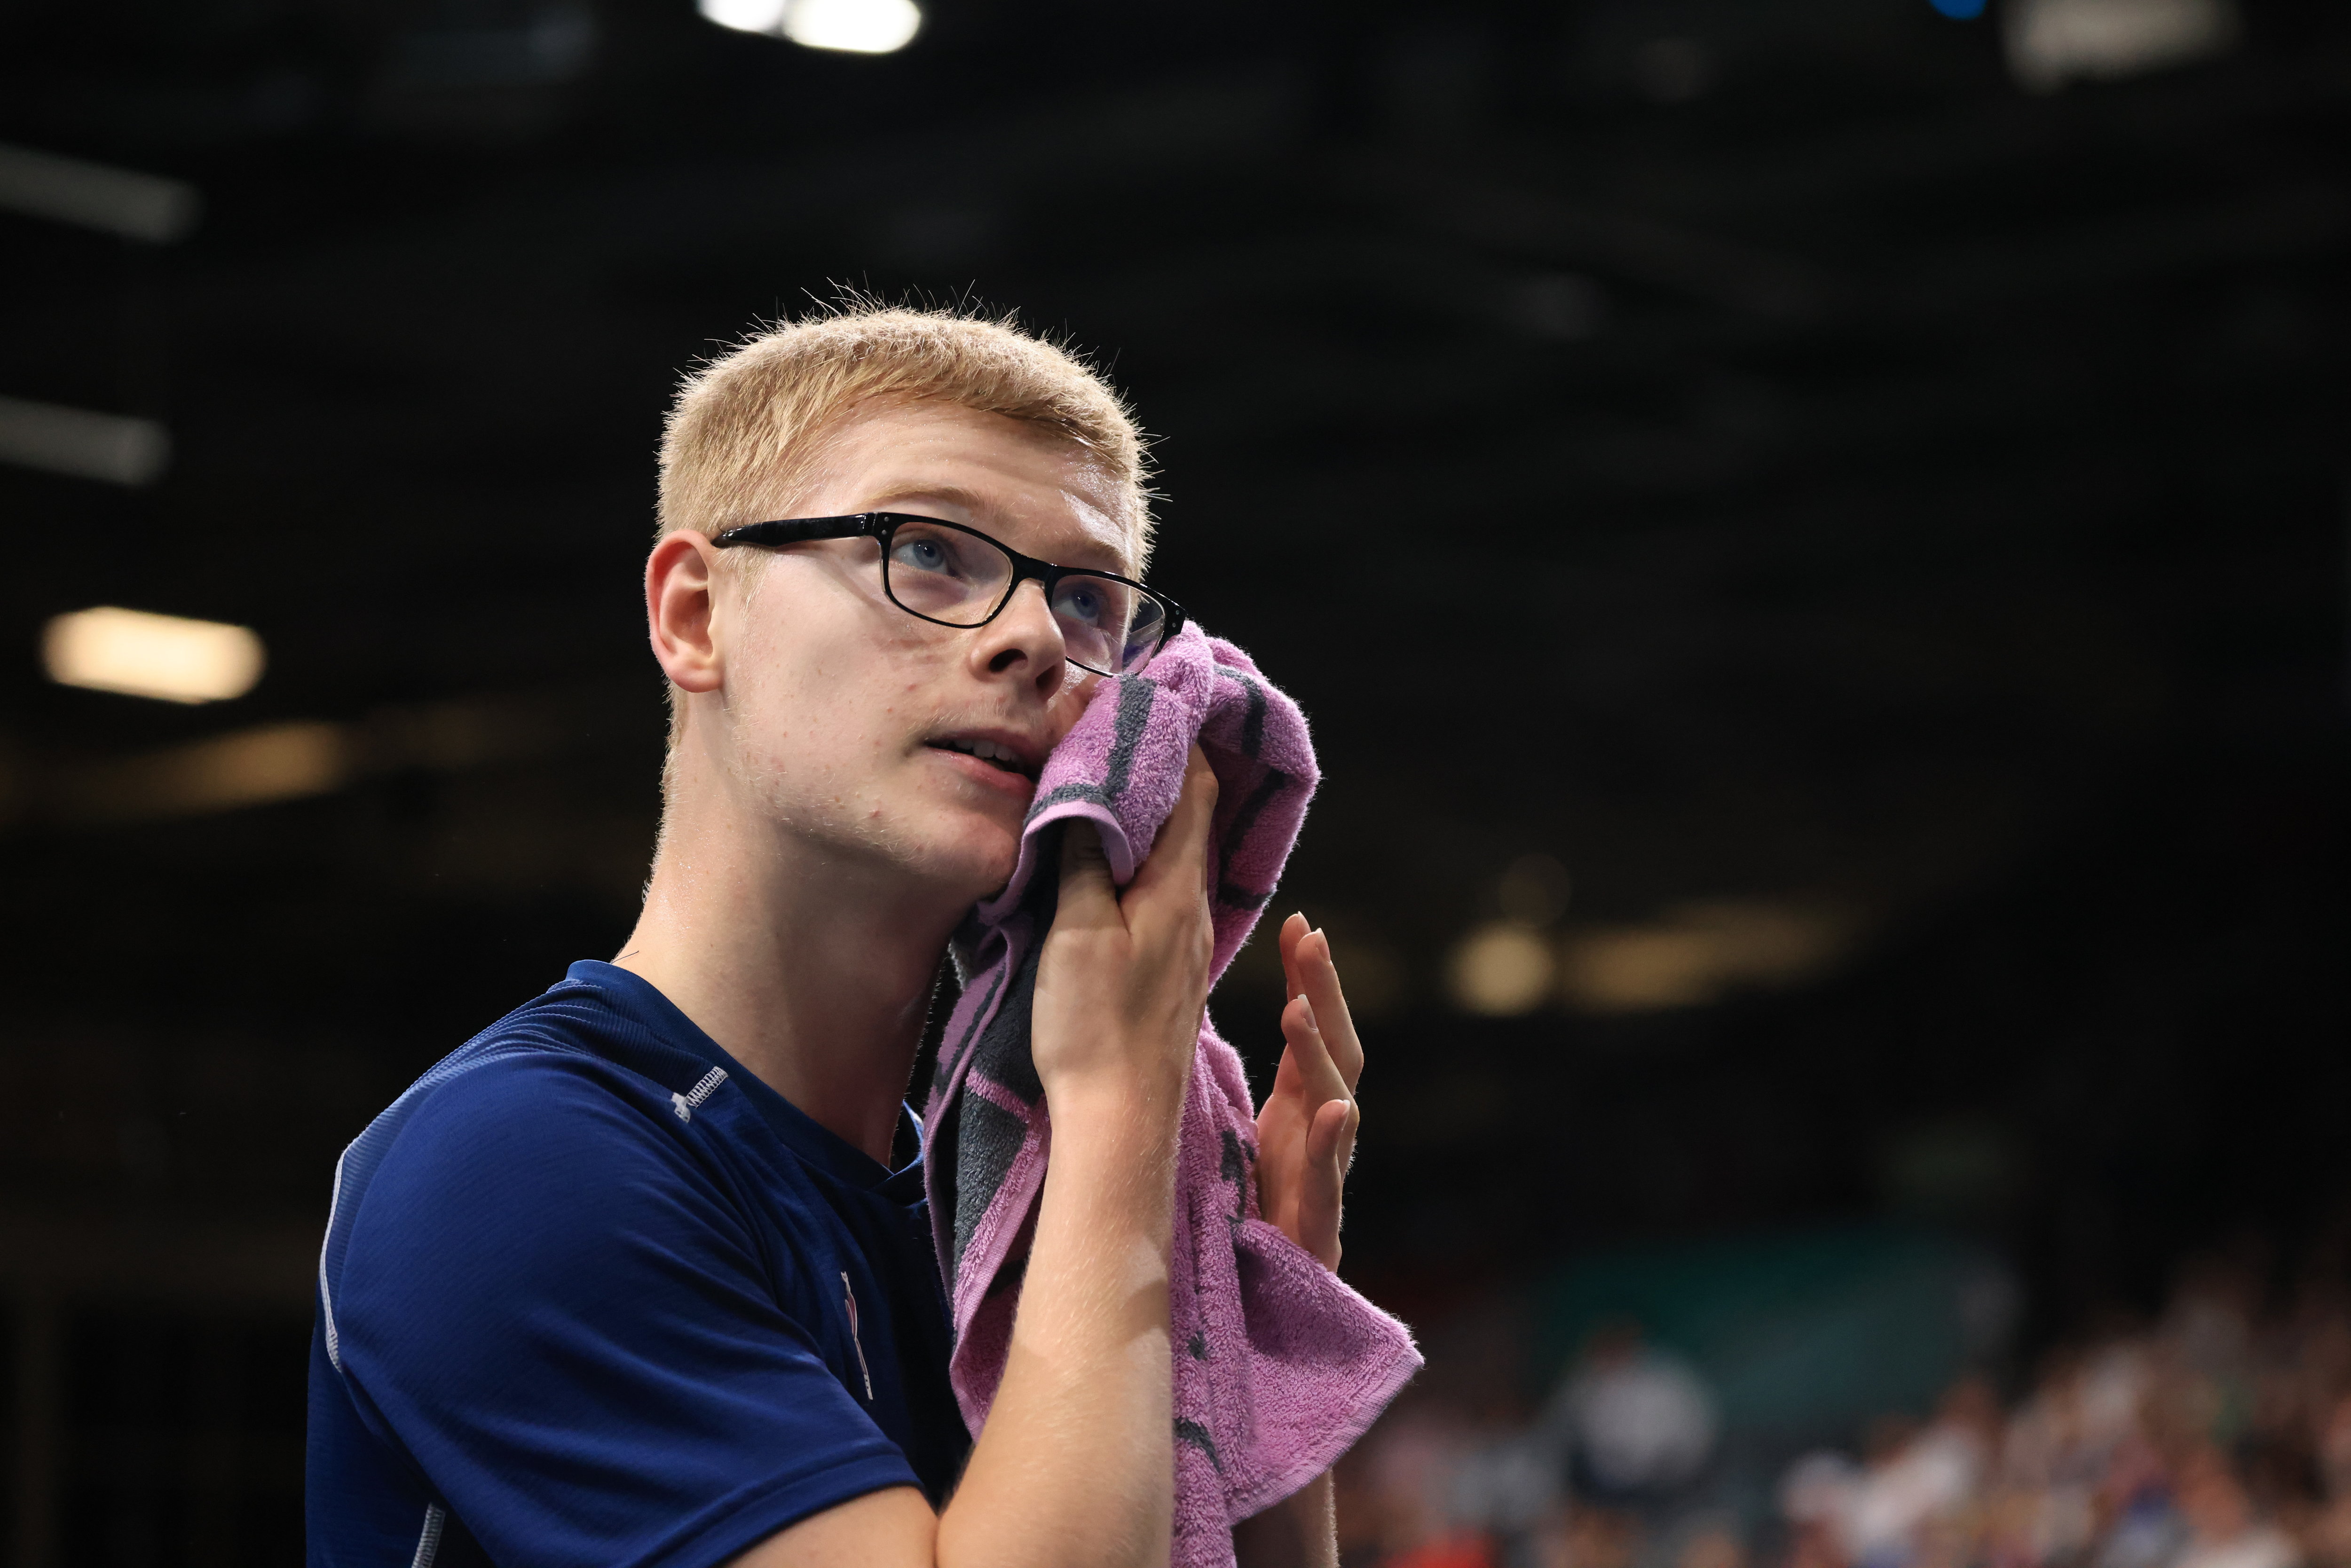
{"x": 641, "y": 1275}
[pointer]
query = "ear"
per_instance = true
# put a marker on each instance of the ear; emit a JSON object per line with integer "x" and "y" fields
{"x": 680, "y": 598}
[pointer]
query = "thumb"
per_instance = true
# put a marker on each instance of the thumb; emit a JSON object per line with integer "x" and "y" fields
{"x": 1087, "y": 894}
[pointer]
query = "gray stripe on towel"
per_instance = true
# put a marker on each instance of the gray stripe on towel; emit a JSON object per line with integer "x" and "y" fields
{"x": 990, "y": 1137}
{"x": 1253, "y": 721}
{"x": 1135, "y": 696}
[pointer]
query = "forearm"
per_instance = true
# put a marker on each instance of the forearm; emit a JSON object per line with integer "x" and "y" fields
{"x": 1075, "y": 1464}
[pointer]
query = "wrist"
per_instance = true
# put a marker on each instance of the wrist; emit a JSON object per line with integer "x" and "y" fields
{"x": 1131, "y": 1090}
{"x": 1114, "y": 1110}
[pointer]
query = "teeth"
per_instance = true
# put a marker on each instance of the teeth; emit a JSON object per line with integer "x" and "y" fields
{"x": 988, "y": 749}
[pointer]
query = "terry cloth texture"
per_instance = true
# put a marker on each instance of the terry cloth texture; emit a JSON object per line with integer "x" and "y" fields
{"x": 1279, "y": 1366}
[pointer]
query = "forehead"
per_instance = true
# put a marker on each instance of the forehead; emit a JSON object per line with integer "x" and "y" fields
{"x": 1034, "y": 489}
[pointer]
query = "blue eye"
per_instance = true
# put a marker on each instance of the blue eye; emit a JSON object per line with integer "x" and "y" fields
{"x": 920, "y": 554}
{"x": 1080, "y": 602}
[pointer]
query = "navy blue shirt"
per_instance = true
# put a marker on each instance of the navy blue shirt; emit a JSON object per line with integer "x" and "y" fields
{"x": 592, "y": 1293}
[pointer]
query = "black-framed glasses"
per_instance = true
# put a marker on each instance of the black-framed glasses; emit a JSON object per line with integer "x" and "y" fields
{"x": 950, "y": 575}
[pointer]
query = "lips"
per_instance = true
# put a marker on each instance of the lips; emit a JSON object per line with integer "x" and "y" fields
{"x": 1005, "y": 755}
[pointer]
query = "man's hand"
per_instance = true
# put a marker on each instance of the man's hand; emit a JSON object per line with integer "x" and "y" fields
{"x": 1305, "y": 1140}
{"x": 1306, "y": 1132}
{"x": 1123, "y": 978}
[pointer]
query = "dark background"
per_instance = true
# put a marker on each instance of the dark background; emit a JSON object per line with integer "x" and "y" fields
{"x": 1705, "y": 454}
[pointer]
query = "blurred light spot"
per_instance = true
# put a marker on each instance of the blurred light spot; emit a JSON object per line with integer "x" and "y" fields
{"x": 1694, "y": 957}
{"x": 1501, "y": 971}
{"x": 290, "y": 761}
{"x": 249, "y": 768}
{"x": 745, "y": 15}
{"x": 852, "y": 26}
{"x": 94, "y": 195}
{"x": 1674, "y": 70}
{"x": 1960, "y": 10}
{"x": 849, "y": 26}
{"x": 1534, "y": 890}
{"x": 2050, "y": 42}
{"x": 81, "y": 444}
{"x": 144, "y": 655}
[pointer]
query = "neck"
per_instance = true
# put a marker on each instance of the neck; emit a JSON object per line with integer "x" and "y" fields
{"x": 809, "y": 965}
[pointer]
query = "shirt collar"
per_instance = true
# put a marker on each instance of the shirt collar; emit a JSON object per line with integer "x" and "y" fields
{"x": 814, "y": 1143}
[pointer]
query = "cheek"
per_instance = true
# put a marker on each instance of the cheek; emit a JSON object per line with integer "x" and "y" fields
{"x": 1069, "y": 705}
{"x": 816, "y": 690}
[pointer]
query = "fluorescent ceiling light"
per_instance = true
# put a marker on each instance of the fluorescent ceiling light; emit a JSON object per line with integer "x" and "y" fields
{"x": 118, "y": 201}
{"x": 847, "y": 26}
{"x": 143, "y": 655}
{"x": 2050, "y": 42}
{"x": 81, "y": 442}
{"x": 853, "y": 27}
{"x": 745, "y": 15}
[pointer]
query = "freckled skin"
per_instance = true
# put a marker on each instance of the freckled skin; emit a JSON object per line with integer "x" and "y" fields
{"x": 808, "y": 634}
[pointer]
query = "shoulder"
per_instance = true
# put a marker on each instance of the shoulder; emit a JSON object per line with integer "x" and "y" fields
{"x": 526, "y": 1089}
{"x": 522, "y": 1165}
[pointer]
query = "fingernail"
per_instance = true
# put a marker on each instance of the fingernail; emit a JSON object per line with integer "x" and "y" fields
{"x": 1309, "y": 1013}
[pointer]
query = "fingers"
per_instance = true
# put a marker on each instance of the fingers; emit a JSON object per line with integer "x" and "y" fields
{"x": 1309, "y": 1054}
{"x": 1308, "y": 971}
{"x": 1179, "y": 859}
{"x": 1329, "y": 1140}
{"x": 1309, "y": 1072}
{"x": 1293, "y": 931}
{"x": 1087, "y": 895}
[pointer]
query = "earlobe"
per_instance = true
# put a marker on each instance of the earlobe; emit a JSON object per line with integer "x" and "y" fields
{"x": 681, "y": 604}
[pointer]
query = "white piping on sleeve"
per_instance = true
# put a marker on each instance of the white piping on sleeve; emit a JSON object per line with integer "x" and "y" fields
{"x": 849, "y": 1299}
{"x": 326, "y": 1295}
{"x": 428, "y": 1545}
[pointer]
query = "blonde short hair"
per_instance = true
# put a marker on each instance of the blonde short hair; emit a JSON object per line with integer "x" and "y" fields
{"x": 748, "y": 429}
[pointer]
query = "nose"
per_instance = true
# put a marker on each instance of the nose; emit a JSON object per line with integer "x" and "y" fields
{"x": 1024, "y": 642}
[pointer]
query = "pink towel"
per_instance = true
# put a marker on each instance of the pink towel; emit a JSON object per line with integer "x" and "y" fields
{"x": 1279, "y": 1367}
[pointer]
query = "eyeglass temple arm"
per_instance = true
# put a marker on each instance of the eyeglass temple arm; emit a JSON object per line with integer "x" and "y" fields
{"x": 797, "y": 531}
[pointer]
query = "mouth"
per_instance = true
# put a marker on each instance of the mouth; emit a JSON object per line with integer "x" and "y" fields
{"x": 1005, "y": 756}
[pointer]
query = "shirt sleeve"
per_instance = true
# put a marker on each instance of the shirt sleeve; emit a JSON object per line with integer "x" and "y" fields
{"x": 553, "y": 1305}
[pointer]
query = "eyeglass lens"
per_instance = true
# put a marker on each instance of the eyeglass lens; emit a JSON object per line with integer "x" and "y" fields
{"x": 960, "y": 580}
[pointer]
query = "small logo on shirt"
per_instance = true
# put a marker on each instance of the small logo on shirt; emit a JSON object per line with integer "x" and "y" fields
{"x": 685, "y": 1104}
{"x": 849, "y": 1299}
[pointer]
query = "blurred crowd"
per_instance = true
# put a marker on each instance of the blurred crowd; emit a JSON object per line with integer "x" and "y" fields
{"x": 2219, "y": 1436}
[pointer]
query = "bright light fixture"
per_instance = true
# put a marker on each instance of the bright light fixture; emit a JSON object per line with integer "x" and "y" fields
{"x": 143, "y": 655}
{"x": 853, "y": 27}
{"x": 848, "y": 27}
{"x": 745, "y": 15}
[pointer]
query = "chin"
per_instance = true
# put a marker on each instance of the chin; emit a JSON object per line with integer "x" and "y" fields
{"x": 975, "y": 861}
